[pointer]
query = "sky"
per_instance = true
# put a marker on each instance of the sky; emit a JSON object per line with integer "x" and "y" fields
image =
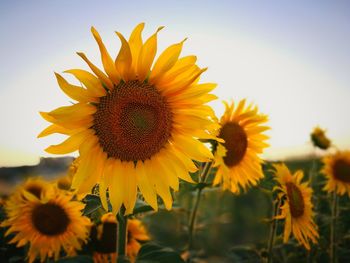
{"x": 291, "y": 58}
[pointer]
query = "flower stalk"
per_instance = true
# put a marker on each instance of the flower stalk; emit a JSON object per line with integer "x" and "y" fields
{"x": 121, "y": 243}
{"x": 333, "y": 228}
{"x": 202, "y": 179}
{"x": 273, "y": 230}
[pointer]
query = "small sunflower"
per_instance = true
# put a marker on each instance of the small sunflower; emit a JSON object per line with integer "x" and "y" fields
{"x": 337, "y": 170}
{"x": 297, "y": 206}
{"x": 48, "y": 223}
{"x": 65, "y": 182}
{"x": 136, "y": 233}
{"x": 319, "y": 138}
{"x": 136, "y": 126}
{"x": 237, "y": 158}
{"x": 105, "y": 239}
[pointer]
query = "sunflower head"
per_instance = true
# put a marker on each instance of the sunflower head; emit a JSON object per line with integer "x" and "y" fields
{"x": 138, "y": 124}
{"x": 239, "y": 165}
{"x": 296, "y": 206}
{"x": 319, "y": 138}
{"x": 337, "y": 170}
{"x": 48, "y": 223}
{"x": 136, "y": 234}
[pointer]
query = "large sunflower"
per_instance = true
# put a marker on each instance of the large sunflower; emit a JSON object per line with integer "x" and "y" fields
{"x": 337, "y": 171}
{"x": 239, "y": 165}
{"x": 135, "y": 126}
{"x": 48, "y": 223}
{"x": 297, "y": 206}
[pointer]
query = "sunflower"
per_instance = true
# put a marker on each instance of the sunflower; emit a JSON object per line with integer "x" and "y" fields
{"x": 237, "y": 158}
{"x": 105, "y": 239}
{"x": 337, "y": 170}
{"x": 297, "y": 207}
{"x": 48, "y": 223}
{"x": 136, "y": 126}
{"x": 319, "y": 138}
{"x": 136, "y": 233}
{"x": 65, "y": 182}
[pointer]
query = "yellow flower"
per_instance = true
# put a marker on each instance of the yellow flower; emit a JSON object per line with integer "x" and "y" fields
{"x": 136, "y": 233}
{"x": 297, "y": 207}
{"x": 319, "y": 138}
{"x": 48, "y": 223}
{"x": 136, "y": 126}
{"x": 106, "y": 239}
{"x": 337, "y": 170}
{"x": 239, "y": 165}
{"x": 65, "y": 182}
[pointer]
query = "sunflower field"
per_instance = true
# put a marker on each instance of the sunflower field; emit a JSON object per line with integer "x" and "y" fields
{"x": 159, "y": 177}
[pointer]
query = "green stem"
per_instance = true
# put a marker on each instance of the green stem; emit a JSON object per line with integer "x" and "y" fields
{"x": 333, "y": 228}
{"x": 273, "y": 230}
{"x": 121, "y": 244}
{"x": 202, "y": 179}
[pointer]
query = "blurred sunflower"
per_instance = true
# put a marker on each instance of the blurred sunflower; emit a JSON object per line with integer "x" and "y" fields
{"x": 65, "y": 182}
{"x": 48, "y": 223}
{"x": 319, "y": 138}
{"x": 237, "y": 158}
{"x": 136, "y": 233}
{"x": 337, "y": 170}
{"x": 104, "y": 238}
{"x": 135, "y": 126}
{"x": 106, "y": 235}
{"x": 297, "y": 206}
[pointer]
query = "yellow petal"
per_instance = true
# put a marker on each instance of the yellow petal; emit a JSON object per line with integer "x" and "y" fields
{"x": 193, "y": 148}
{"x": 94, "y": 174}
{"x": 117, "y": 187}
{"x": 152, "y": 172}
{"x": 85, "y": 167}
{"x": 53, "y": 128}
{"x": 131, "y": 187}
{"x": 107, "y": 61}
{"x": 146, "y": 187}
{"x": 166, "y": 61}
{"x": 135, "y": 43}
{"x": 181, "y": 66}
{"x": 146, "y": 57}
{"x": 167, "y": 169}
{"x": 75, "y": 111}
{"x": 93, "y": 84}
{"x": 124, "y": 59}
{"x": 97, "y": 71}
{"x": 75, "y": 92}
{"x": 103, "y": 194}
{"x": 70, "y": 145}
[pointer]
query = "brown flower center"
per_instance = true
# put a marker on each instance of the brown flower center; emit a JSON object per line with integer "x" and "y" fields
{"x": 236, "y": 143}
{"x": 133, "y": 122}
{"x": 106, "y": 244}
{"x": 341, "y": 170}
{"x": 296, "y": 200}
{"x": 50, "y": 219}
{"x": 35, "y": 190}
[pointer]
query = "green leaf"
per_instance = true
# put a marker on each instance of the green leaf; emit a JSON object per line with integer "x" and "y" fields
{"x": 151, "y": 252}
{"x": 244, "y": 254}
{"x": 93, "y": 203}
{"x": 141, "y": 207}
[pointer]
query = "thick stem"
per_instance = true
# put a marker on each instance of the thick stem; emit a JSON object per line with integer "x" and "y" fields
{"x": 333, "y": 228}
{"x": 273, "y": 230}
{"x": 202, "y": 179}
{"x": 122, "y": 230}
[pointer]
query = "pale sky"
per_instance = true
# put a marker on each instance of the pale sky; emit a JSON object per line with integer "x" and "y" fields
{"x": 290, "y": 58}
